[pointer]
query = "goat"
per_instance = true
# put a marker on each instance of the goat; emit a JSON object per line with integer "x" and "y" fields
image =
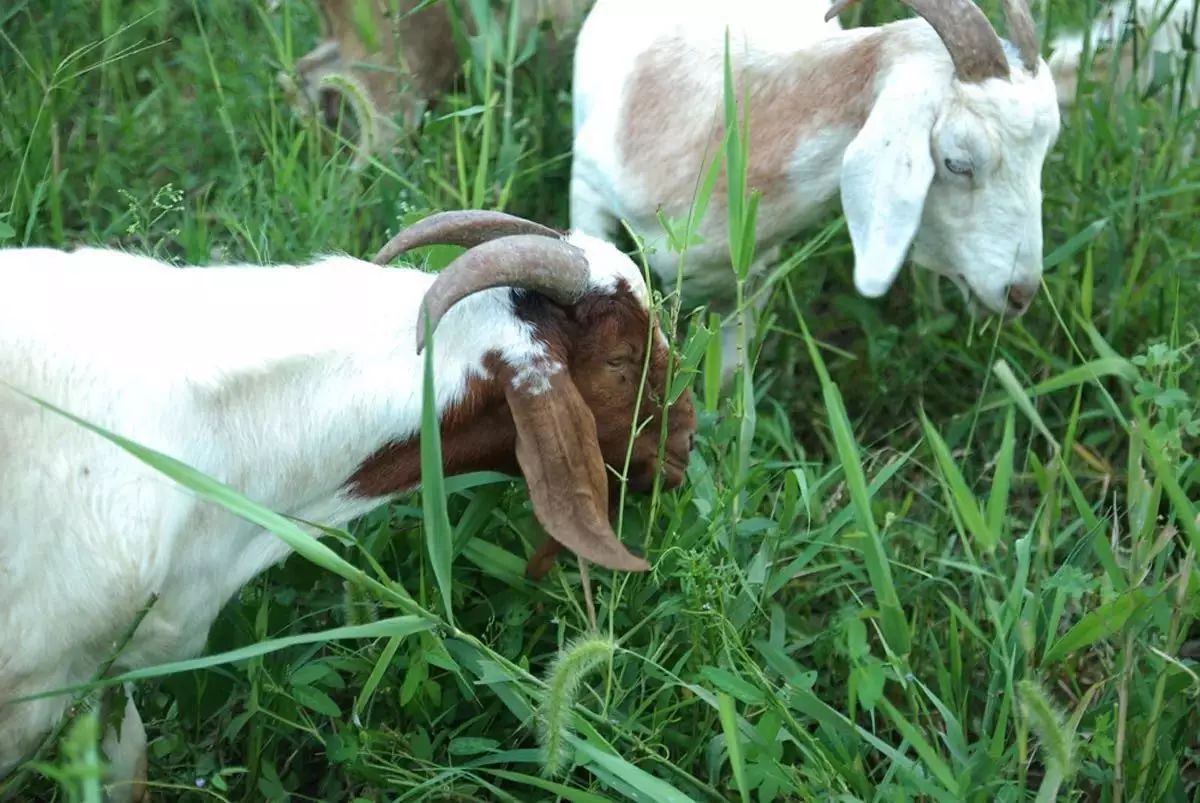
{"x": 299, "y": 387}
{"x": 935, "y": 130}
{"x": 387, "y": 70}
{"x": 1167, "y": 31}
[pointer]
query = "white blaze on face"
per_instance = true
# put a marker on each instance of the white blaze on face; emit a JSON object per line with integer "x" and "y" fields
{"x": 950, "y": 172}
{"x": 982, "y": 221}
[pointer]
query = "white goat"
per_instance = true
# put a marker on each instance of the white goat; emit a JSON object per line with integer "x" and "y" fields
{"x": 299, "y": 387}
{"x": 1166, "y": 30}
{"x": 934, "y": 129}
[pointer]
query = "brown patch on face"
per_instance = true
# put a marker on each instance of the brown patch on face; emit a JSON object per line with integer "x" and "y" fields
{"x": 602, "y": 341}
{"x": 477, "y": 435}
{"x": 668, "y": 143}
{"x": 607, "y": 362}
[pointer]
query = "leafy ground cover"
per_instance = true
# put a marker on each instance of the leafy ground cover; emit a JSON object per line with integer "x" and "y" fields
{"x": 919, "y": 556}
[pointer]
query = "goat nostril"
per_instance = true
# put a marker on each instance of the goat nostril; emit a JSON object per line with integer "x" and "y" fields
{"x": 1020, "y": 295}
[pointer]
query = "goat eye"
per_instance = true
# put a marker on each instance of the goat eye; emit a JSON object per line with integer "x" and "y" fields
{"x": 959, "y": 167}
{"x": 616, "y": 362}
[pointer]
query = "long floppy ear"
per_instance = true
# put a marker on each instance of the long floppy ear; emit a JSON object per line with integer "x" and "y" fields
{"x": 886, "y": 173}
{"x": 559, "y": 455}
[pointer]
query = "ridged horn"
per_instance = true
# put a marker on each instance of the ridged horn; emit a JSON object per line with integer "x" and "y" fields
{"x": 552, "y": 267}
{"x": 464, "y": 227}
{"x": 970, "y": 39}
{"x": 1022, "y": 30}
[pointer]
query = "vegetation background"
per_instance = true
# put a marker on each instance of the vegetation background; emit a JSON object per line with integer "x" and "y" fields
{"x": 919, "y": 557}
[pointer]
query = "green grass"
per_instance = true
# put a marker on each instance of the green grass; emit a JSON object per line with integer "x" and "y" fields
{"x": 918, "y": 557}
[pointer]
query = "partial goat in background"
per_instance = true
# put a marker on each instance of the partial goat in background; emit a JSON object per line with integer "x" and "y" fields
{"x": 933, "y": 129}
{"x": 300, "y": 387}
{"x": 374, "y": 74}
{"x": 1165, "y": 31}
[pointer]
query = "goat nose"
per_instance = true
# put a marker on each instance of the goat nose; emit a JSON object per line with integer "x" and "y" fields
{"x": 1020, "y": 294}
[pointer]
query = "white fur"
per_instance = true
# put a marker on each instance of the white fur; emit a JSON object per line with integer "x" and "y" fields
{"x": 985, "y": 233}
{"x": 279, "y": 381}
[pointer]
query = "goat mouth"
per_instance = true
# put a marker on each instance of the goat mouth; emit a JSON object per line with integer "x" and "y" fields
{"x": 979, "y": 306}
{"x": 674, "y": 471}
{"x": 671, "y": 469}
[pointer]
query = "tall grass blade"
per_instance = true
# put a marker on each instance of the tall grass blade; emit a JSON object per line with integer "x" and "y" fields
{"x": 997, "y": 504}
{"x": 957, "y": 493}
{"x": 439, "y": 537}
{"x": 733, "y": 743}
{"x": 208, "y": 488}
{"x": 895, "y": 626}
{"x": 394, "y": 627}
{"x": 1101, "y": 623}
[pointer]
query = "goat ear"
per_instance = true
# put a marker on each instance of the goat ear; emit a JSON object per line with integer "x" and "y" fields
{"x": 559, "y": 455}
{"x": 886, "y": 173}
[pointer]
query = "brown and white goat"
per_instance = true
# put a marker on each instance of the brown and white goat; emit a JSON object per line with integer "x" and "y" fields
{"x": 371, "y": 77}
{"x": 934, "y": 130}
{"x": 299, "y": 386}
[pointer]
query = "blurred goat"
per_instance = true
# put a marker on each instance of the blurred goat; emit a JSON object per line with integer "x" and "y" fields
{"x": 1162, "y": 33}
{"x": 372, "y": 78}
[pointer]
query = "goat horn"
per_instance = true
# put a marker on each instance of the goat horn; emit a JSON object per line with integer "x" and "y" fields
{"x": 465, "y": 227}
{"x": 974, "y": 47}
{"x": 554, "y": 268}
{"x": 1022, "y": 30}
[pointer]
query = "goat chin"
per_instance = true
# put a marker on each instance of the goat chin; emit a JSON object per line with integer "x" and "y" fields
{"x": 297, "y": 386}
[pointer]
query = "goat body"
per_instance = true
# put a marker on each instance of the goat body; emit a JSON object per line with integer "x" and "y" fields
{"x": 299, "y": 387}
{"x": 916, "y": 150}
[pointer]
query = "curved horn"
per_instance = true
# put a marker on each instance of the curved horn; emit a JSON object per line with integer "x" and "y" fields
{"x": 554, "y": 268}
{"x": 1023, "y": 32}
{"x": 465, "y": 227}
{"x": 974, "y": 47}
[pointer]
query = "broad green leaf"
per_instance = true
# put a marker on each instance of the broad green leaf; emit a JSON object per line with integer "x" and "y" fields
{"x": 1075, "y": 244}
{"x": 377, "y": 672}
{"x": 316, "y": 700}
{"x": 555, "y": 788}
{"x": 1096, "y": 625}
{"x": 730, "y": 683}
{"x": 654, "y": 788}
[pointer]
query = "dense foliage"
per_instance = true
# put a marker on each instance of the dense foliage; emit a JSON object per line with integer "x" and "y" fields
{"x": 919, "y": 556}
